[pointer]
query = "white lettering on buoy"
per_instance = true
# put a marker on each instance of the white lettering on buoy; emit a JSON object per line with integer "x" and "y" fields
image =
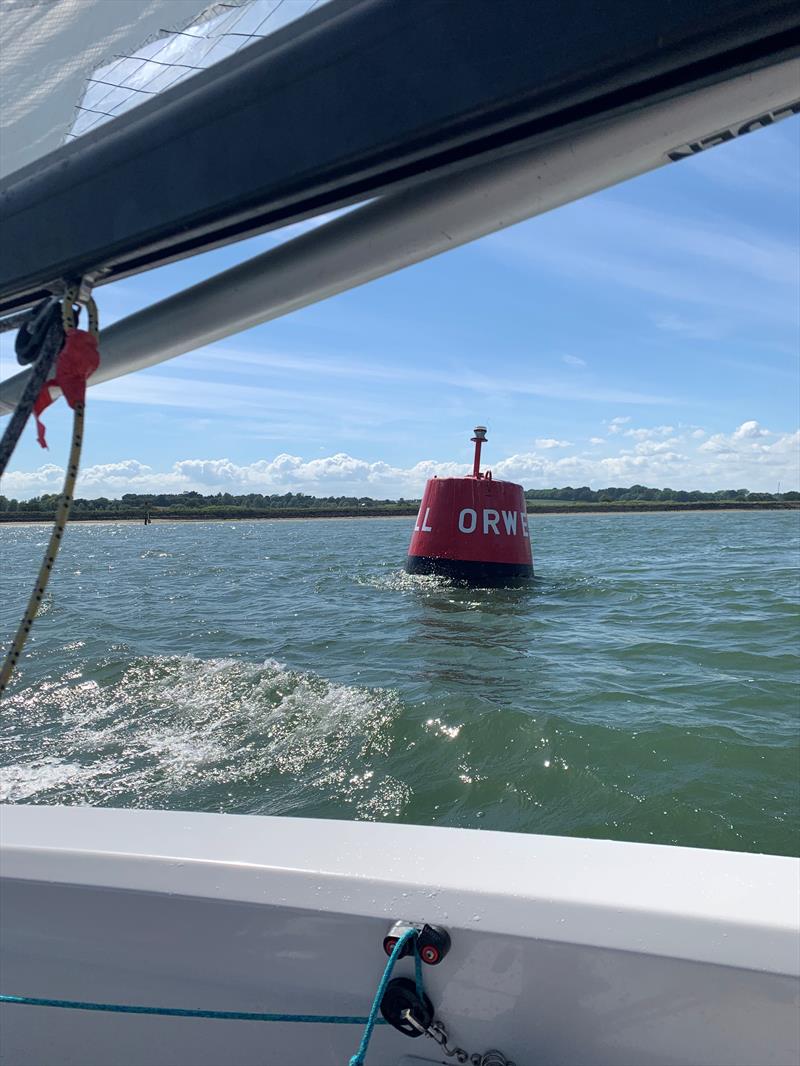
{"x": 490, "y": 518}
{"x": 468, "y": 522}
{"x": 425, "y": 528}
{"x": 467, "y": 515}
{"x": 510, "y": 522}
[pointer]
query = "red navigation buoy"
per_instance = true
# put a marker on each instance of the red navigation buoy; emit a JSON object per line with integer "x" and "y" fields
{"x": 473, "y": 529}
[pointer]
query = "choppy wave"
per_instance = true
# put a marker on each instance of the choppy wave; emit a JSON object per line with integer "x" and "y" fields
{"x": 168, "y": 726}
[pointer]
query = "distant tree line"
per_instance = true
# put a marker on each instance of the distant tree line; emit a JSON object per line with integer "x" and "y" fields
{"x": 641, "y": 493}
{"x": 225, "y": 504}
{"x": 192, "y": 502}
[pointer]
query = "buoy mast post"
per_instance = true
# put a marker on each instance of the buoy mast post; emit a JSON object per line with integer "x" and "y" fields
{"x": 478, "y": 440}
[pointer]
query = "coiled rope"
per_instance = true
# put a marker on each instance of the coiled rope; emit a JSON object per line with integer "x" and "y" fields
{"x": 38, "y": 375}
{"x": 65, "y": 500}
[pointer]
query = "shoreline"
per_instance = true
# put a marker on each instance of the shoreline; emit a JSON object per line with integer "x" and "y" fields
{"x": 533, "y": 512}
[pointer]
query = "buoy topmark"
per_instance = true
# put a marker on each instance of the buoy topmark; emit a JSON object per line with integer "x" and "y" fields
{"x": 473, "y": 529}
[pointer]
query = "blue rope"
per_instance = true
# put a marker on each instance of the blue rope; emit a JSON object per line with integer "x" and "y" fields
{"x": 358, "y": 1058}
{"x": 178, "y": 1012}
{"x": 418, "y": 973}
{"x": 369, "y": 1022}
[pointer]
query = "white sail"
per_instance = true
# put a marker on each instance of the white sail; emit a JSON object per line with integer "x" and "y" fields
{"x": 68, "y": 66}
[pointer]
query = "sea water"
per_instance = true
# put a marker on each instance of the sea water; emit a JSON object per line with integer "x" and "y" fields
{"x": 643, "y": 688}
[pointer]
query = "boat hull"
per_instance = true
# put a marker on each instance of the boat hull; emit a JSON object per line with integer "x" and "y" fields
{"x": 563, "y": 951}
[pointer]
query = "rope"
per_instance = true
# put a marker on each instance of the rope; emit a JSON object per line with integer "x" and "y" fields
{"x": 369, "y": 1022}
{"x": 73, "y": 385}
{"x": 62, "y": 514}
{"x": 38, "y": 375}
{"x": 180, "y": 1012}
{"x": 397, "y": 950}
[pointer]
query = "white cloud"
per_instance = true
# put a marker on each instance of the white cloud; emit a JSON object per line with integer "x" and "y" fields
{"x": 746, "y": 439}
{"x": 750, "y": 431}
{"x": 652, "y": 447}
{"x": 616, "y": 424}
{"x": 749, "y": 456}
{"x": 731, "y": 268}
{"x": 744, "y": 457}
{"x": 597, "y": 440}
{"x": 44, "y": 479}
{"x": 551, "y": 442}
{"x": 693, "y": 329}
{"x": 648, "y": 433}
{"x": 111, "y": 473}
{"x": 157, "y": 389}
{"x": 573, "y": 360}
{"x": 248, "y": 395}
{"x": 719, "y": 444}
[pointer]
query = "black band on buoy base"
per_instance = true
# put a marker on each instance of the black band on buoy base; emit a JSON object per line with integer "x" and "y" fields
{"x": 479, "y": 574}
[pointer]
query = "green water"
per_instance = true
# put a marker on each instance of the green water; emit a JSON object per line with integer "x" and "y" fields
{"x": 645, "y": 688}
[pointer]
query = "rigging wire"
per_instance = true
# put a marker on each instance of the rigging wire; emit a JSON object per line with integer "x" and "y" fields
{"x": 101, "y": 81}
{"x": 236, "y": 16}
{"x": 132, "y": 89}
{"x": 144, "y": 60}
{"x": 268, "y": 16}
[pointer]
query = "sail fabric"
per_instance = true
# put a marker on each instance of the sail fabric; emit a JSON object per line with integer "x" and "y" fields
{"x": 68, "y": 66}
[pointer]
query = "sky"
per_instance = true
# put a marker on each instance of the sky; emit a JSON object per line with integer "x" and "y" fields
{"x": 648, "y": 334}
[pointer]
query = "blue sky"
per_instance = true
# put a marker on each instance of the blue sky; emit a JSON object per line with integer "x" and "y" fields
{"x": 646, "y": 334}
